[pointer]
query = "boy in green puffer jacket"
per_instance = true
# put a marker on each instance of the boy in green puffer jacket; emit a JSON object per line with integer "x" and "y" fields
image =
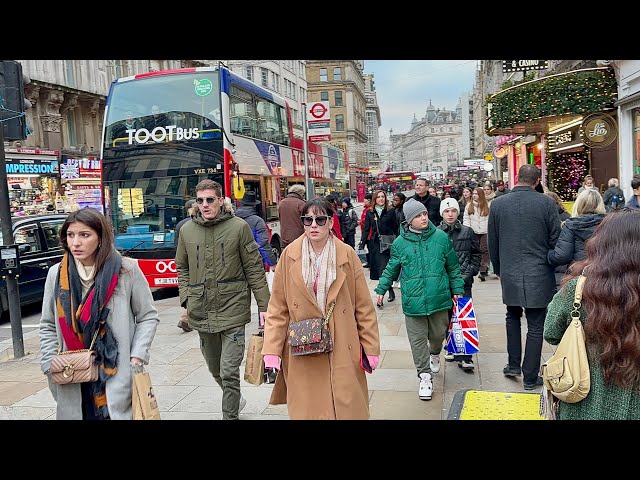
{"x": 429, "y": 271}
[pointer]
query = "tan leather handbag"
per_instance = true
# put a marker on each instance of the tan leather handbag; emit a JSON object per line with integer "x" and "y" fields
{"x": 566, "y": 374}
{"x": 75, "y": 366}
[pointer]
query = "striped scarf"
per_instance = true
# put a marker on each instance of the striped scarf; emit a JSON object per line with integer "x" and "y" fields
{"x": 79, "y": 318}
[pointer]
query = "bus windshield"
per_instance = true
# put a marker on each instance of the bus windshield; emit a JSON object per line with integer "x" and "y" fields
{"x": 162, "y": 136}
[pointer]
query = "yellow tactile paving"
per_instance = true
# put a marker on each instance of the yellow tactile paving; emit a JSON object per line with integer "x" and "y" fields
{"x": 480, "y": 405}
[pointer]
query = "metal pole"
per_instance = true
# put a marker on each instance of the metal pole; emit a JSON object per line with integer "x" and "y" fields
{"x": 13, "y": 295}
{"x": 305, "y": 153}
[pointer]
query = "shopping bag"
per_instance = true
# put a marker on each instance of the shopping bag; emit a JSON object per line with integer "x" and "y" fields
{"x": 270, "y": 275}
{"x": 254, "y": 367}
{"x": 143, "y": 400}
{"x": 462, "y": 337}
{"x": 362, "y": 255}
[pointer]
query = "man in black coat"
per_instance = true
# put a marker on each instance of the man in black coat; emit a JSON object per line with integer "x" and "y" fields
{"x": 523, "y": 227}
{"x": 431, "y": 203}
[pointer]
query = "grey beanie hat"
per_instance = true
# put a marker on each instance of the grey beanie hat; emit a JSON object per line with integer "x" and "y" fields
{"x": 412, "y": 208}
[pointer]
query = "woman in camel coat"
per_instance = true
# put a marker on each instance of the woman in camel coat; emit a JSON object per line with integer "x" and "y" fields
{"x": 322, "y": 386}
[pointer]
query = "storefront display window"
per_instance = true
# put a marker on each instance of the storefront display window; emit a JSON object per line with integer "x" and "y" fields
{"x": 636, "y": 143}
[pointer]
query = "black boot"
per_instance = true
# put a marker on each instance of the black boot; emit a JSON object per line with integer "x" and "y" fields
{"x": 392, "y": 295}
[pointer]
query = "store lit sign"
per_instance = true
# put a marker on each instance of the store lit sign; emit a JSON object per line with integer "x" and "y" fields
{"x": 523, "y": 65}
{"x": 564, "y": 139}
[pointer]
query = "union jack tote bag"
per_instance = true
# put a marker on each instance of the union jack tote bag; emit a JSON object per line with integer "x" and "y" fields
{"x": 463, "y": 338}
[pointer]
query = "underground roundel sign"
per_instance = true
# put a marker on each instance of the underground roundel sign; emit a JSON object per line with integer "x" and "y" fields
{"x": 318, "y": 111}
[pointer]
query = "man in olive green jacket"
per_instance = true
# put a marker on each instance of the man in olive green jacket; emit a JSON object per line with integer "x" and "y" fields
{"x": 218, "y": 265}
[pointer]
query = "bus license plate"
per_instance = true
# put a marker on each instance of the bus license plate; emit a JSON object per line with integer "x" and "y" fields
{"x": 166, "y": 281}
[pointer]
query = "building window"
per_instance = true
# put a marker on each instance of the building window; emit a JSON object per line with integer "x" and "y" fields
{"x": 69, "y": 73}
{"x": 71, "y": 129}
{"x": 324, "y": 96}
{"x": 248, "y": 72}
{"x": 323, "y": 75}
{"x": 338, "y": 98}
{"x": 339, "y": 123}
{"x": 264, "y": 77}
{"x": 337, "y": 73}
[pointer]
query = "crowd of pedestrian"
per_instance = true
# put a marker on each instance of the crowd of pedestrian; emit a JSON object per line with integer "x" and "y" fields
{"x": 432, "y": 245}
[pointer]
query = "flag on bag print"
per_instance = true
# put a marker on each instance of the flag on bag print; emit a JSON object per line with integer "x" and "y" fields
{"x": 463, "y": 338}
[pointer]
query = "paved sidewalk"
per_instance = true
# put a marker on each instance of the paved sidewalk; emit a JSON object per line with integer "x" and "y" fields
{"x": 186, "y": 390}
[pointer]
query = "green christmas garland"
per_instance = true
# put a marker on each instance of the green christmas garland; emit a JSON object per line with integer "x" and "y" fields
{"x": 574, "y": 93}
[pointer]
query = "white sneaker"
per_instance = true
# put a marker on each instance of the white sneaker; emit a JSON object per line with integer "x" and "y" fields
{"x": 449, "y": 357}
{"x": 243, "y": 403}
{"x": 426, "y": 387}
{"x": 434, "y": 363}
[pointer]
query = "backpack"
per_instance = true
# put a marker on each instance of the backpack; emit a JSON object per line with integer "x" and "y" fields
{"x": 617, "y": 200}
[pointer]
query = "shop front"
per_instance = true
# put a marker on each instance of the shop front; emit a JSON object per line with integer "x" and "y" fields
{"x": 81, "y": 179}
{"x": 565, "y": 124}
{"x": 32, "y": 176}
{"x": 629, "y": 118}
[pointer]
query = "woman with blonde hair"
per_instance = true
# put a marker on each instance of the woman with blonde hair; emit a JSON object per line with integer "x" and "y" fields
{"x": 476, "y": 216}
{"x": 588, "y": 212}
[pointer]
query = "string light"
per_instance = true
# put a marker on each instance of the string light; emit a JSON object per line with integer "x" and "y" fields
{"x": 566, "y": 172}
{"x": 574, "y": 93}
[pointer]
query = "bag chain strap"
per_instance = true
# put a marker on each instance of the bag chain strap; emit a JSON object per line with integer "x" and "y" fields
{"x": 93, "y": 341}
{"x": 575, "y": 313}
{"x": 326, "y": 320}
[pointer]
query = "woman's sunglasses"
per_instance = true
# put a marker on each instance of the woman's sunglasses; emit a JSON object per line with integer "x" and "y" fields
{"x": 321, "y": 220}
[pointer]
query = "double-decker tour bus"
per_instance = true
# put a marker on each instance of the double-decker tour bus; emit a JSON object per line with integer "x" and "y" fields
{"x": 166, "y": 131}
{"x": 397, "y": 181}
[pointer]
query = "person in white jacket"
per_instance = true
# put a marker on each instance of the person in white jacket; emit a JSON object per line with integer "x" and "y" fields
{"x": 476, "y": 216}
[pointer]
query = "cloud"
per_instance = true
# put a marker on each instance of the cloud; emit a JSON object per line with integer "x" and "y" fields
{"x": 405, "y": 87}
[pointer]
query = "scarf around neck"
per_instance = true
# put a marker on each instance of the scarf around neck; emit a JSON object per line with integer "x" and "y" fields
{"x": 319, "y": 271}
{"x": 80, "y": 318}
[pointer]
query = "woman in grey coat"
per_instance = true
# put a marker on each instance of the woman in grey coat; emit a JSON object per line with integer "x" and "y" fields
{"x": 96, "y": 293}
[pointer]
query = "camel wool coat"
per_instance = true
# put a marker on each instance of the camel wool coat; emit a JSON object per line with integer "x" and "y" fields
{"x": 325, "y": 386}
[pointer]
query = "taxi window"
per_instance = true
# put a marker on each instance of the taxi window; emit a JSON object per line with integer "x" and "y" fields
{"x": 51, "y": 230}
{"x": 28, "y": 234}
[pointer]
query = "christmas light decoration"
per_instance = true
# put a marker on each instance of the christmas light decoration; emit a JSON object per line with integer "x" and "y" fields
{"x": 573, "y": 93}
{"x": 566, "y": 172}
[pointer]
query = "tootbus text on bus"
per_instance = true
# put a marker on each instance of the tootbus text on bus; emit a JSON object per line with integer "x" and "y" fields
{"x": 166, "y": 131}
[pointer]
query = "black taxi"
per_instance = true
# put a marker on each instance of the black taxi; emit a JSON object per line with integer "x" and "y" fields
{"x": 38, "y": 239}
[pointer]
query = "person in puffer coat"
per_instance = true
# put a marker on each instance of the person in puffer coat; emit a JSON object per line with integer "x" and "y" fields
{"x": 589, "y": 210}
{"x": 429, "y": 275}
{"x": 467, "y": 247}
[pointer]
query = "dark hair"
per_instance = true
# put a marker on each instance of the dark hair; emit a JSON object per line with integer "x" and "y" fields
{"x": 401, "y": 196}
{"x": 95, "y": 220}
{"x": 331, "y": 199}
{"x": 209, "y": 184}
{"x": 528, "y": 174}
{"x": 635, "y": 182}
{"x": 318, "y": 205}
{"x": 611, "y": 296}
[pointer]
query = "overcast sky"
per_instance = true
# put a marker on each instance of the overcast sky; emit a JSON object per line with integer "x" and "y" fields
{"x": 404, "y": 88}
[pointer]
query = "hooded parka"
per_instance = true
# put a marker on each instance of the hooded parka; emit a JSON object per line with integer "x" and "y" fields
{"x": 325, "y": 386}
{"x": 218, "y": 266}
{"x": 430, "y": 271}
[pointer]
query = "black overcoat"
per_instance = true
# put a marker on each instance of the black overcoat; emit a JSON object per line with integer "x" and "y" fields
{"x": 523, "y": 227}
